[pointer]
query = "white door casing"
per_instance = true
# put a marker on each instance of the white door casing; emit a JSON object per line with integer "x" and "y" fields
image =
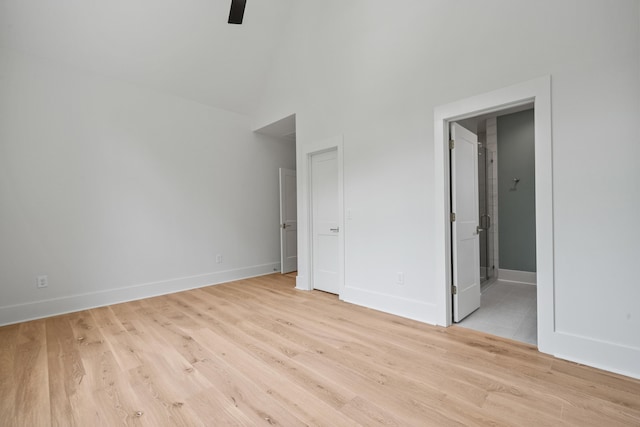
{"x": 465, "y": 238}
{"x": 288, "y": 221}
{"x": 537, "y": 91}
{"x": 325, "y": 221}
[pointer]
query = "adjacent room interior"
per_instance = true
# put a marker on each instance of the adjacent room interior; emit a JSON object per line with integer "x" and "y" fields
{"x": 506, "y": 224}
{"x": 304, "y": 212}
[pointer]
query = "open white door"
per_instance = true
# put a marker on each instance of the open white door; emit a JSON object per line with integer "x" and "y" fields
{"x": 288, "y": 222}
{"x": 325, "y": 221}
{"x": 465, "y": 240}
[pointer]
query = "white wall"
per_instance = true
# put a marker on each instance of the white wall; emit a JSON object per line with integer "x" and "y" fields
{"x": 374, "y": 73}
{"x": 117, "y": 192}
{"x": 184, "y": 48}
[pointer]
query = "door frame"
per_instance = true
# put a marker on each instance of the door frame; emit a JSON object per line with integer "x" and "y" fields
{"x": 537, "y": 91}
{"x": 304, "y": 280}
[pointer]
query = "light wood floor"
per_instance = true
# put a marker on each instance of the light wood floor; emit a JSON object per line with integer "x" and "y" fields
{"x": 259, "y": 352}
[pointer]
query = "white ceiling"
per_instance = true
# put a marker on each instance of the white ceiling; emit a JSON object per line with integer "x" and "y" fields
{"x": 184, "y": 47}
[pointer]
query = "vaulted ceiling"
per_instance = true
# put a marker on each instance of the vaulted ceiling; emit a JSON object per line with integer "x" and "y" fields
{"x": 184, "y": 47}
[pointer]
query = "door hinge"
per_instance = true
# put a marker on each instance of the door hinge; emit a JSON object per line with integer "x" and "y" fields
{"x": 452, "y": 144}
{"x": 452, "y": 216}
{"x": 454, "y": 290}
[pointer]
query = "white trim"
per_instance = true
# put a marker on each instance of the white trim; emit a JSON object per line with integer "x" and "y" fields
{"x": 301, "y": 281}
{"x": 601, "y": 354}
{"x": 393, "y": 304}
{"x": 51, "y": 307}
{"x": 305, "y": 238}
{"x": 538, "y": 91}
{"x": 516, "y": 276}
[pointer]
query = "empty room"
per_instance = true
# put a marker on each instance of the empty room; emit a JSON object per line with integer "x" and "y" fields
{"x": 319, "y": 212}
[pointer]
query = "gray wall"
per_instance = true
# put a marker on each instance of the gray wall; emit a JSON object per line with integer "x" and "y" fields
{"x": 516, "y": 204}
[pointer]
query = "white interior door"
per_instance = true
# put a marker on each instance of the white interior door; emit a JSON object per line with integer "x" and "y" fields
{"x": 288, "y": 221}
{"x": 325, "y": 221}
{"x": 465, "y": 239}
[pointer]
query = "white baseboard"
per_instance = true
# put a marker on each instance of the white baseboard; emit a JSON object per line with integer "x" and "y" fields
{"x": 527, "y": 277}
{"x": 45, "y": 308}
{"x": 403, "y": 307}
{"x": 612, "y": 357}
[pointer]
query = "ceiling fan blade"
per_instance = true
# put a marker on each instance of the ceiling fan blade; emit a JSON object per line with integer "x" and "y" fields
{"x": 237, "y": 11}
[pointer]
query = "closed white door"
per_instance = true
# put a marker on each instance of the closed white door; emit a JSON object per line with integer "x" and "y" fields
{"x": 325, "y": 218}
{"x": 288, "y": 221}
{"x": 465, "y": 239}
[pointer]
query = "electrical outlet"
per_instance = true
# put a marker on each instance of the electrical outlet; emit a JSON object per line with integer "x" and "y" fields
{"x": 400, "y": 280}
{"x": 218, "y": 259}
{"x": 42, "y": 281}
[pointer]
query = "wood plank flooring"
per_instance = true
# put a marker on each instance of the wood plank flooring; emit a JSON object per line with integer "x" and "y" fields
{"x": 259, "y": 352}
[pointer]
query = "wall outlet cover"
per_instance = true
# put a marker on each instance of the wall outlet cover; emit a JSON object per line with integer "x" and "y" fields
{"x": 42, "y": 281}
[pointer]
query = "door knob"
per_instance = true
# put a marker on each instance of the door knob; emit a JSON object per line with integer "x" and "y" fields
{"x": 335, "y": 230}
{"x": 284, "y": 225}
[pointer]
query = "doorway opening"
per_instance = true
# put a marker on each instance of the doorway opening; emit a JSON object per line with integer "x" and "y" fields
{"x": 538, "y": 93}
{"x": 506, "y": 224}
{"x": 288, "y": 221}
{"x": 285, "y": 130}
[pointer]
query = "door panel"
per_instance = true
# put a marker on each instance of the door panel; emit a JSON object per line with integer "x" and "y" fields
{"x": 464, "y": 230}
{"x": 288, "y": 221}
{"x": 325, "y": 213}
